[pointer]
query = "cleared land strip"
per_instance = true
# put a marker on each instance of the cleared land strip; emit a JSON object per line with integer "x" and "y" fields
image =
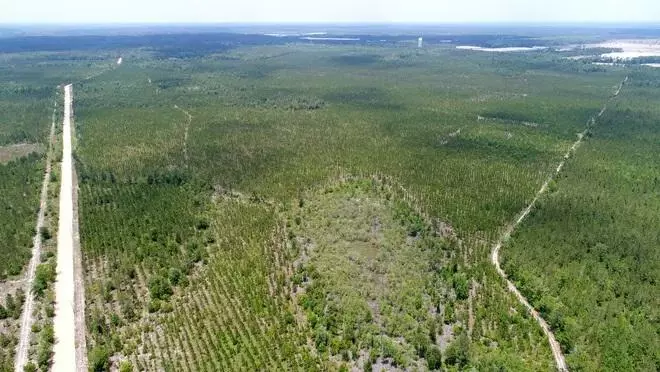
{"x": 554, "y": 345}
{"x": 508, "y": 121}
{"x": 64, "y": 350}
{"x": 27, "y": 317}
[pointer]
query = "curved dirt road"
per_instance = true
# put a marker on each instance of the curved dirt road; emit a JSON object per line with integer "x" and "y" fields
{"x": 560, "y": 361}
{"x": 27, "y": 319}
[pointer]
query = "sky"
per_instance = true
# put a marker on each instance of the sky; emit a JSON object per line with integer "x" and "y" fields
{"x": 334, "y": 11}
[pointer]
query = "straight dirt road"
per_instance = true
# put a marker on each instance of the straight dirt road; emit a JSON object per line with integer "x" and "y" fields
{"x": 64, "y": 351}
{"x": 557, "y": 354}
{"x": 26, "y": 317}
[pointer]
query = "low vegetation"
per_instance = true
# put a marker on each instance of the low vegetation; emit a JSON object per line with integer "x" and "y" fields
{"x": 10, "y": 312}
{"x": 374, "y": 279}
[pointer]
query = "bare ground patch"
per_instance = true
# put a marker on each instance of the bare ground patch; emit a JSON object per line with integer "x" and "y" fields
{"x": 19, "y": 150}
{"x": 530, "y": 124}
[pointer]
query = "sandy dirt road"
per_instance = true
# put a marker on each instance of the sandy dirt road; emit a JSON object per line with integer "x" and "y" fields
{"x": 27, "y": 318}
{"x": 557, "y": 354}
{"x": 64, "y": 350}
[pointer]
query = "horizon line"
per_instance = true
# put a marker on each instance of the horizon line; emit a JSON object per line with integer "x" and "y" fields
{"x": 339, "y": 23}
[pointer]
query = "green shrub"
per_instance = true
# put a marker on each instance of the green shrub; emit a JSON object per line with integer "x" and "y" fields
{"x": 44, "y": 276}
{"x": 45, "y": 233}
{"x": 99, "y": 359}
{"x": 160, "y": 288}
{"x": 174, "y": 276}
{"x": 154, "y": 306}
{"x": 461, "y": 287}
{"x": 125, "y": 366}
{"x": 458, "y": 353}
{"x": 434, "y": 358}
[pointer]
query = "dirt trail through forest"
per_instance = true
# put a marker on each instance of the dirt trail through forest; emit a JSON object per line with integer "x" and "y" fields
{"x": 185, "y": 134}
{"x": 27, "y": 319}
{"x": 554, "y": 345}
{"x": 64, "y": 350}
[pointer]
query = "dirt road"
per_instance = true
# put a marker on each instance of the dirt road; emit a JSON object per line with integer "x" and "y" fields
{"x": 554, "y": 345}
{"x": 27, "y": 319}
{"x": 64, "y": 350}
{"x": 185, "y": 133}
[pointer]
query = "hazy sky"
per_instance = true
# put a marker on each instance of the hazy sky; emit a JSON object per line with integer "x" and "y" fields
{"x": 441, "y": 11}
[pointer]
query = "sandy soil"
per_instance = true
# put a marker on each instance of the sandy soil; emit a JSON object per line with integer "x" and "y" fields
{"x": 554, "y": 345}
{"x": 27, "y": 318}
{"x": 64, "y": 350}
{"x": 79, "y": 278}
{"x": 631, "y": 48}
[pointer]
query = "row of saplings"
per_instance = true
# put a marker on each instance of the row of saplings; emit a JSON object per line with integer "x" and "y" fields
{"x": 161, "y": 288}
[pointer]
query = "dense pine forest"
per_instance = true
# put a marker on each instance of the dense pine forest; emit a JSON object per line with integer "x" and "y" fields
{"x": 260, "y": 203}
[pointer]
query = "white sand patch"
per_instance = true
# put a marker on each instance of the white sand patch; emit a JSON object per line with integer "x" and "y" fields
{"x": 280, "y": 35}
{"x": 657, "y": 65}
{"x": 577, "y": 58}
{"x": 120, "y": 60}
{"x": 629, "y": 55}
{"x": 501, "y": 50}
{"x": 331, "y": 38}
{"x": 633, "y": 48}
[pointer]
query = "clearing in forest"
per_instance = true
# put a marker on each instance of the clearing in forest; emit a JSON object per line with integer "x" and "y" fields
{"x": 11, "y": 152}
{"x": 373, "y": 278}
